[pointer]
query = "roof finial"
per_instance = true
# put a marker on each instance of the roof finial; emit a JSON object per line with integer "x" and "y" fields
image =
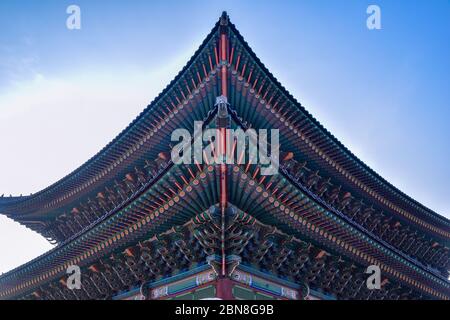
{"x": 224, "y": 19}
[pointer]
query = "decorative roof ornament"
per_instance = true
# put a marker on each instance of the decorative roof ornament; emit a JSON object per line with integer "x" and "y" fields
{"x": 224, "y": 19}
{"x": 221, "y": 100}
{"x": 224, "y": 23}
{"x": 222, "y": 108}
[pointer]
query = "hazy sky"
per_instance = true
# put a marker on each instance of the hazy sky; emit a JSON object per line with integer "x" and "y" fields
{"x": 64, "y": 94}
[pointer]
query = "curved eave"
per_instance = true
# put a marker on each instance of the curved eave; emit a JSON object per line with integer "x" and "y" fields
{"x": 69, "y": 243}
{"x": 358, "y": 164}
{"x": 7, "y": 201}
{"x": 8, "y": 206}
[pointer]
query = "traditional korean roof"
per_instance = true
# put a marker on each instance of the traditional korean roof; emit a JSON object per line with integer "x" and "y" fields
{"x": 131, "y": 190}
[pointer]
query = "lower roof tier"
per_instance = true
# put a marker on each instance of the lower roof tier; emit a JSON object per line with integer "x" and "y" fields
{"x": 263, "y": 250}
{"x": 166, "y": 204}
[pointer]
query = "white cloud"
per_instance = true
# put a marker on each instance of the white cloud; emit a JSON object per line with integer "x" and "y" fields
{"x": 49, "y": 126}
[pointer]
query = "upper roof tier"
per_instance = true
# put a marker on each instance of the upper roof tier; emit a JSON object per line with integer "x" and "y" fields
{"x": 132, "y": 146}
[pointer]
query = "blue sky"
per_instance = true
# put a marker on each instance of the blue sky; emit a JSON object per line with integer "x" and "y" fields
{"x": 65, "y": 93}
